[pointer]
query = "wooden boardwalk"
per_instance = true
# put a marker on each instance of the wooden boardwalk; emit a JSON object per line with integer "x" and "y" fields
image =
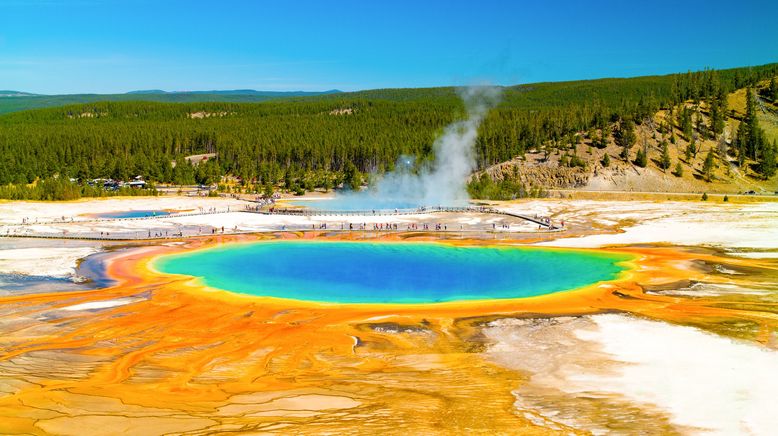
{"x": 391, "y": 212}
{"x": 191, "y": 230}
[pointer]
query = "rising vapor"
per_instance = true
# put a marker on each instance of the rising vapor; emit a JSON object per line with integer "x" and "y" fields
{"x": 444, "y": 181}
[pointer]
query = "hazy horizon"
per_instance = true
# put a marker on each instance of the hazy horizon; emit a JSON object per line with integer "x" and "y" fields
{"x": 321, "y": 91}
{"x": 111, "y": 47}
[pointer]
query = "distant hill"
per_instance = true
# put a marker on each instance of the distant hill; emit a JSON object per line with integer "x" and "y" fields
{"x": 148, "y": 91}
{"x": 5, "y": 93}
{"x": 241, "y": 92}
{"x": 14, "y": 101}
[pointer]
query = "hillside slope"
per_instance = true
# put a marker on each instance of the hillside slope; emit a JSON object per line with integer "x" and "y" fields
{"x": 551, "y": 170}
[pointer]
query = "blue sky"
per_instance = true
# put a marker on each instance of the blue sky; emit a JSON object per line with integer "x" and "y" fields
{"x": 103, "y": 46}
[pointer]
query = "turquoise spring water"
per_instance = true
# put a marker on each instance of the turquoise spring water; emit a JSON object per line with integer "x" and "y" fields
{"x": 359, "y": 272}
{"x": 132, "y": 214}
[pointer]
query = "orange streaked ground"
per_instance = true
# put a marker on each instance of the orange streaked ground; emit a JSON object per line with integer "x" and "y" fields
{"x": 183, "y": 359}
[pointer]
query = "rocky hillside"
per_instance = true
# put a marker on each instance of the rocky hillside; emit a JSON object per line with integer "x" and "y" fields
{"x": 581, "y": 162}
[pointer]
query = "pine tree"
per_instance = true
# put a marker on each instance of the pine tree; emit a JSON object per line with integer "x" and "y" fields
{"x": 686, "y": 123}
{"x": 722, "y": 100}
{"x": 664, "y": 160}
{"x": 604, "y": 134}
{"x": 625, "y": 137}
{"x": 707, "y": 166}
{"x": 741, "y": 142}
{"x": 717, "y": 111}
{"x": 767, "y": 166}
{"x": 752, "y": 146}
{"x": 352, "y": 177}
{"x": 675, "y": 91}
{"x": 678, "y": 172}
{"x": 773, "y": 90}
{"x": 691, "y": 151}
{"x": 641, "y": 159}
{"x": 288, "y": 178}
{"x": 267, "y": 189}
{"x": 606, "y": 160}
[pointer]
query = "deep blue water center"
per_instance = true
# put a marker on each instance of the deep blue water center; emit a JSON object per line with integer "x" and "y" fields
{"x": 132, "y": 214}
{"x": 360, "y": 272}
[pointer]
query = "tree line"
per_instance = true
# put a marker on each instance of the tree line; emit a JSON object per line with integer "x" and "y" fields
{"x": 320, "y": 142}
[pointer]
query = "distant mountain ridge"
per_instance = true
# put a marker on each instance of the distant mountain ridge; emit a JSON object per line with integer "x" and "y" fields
{"x": 241, "y": 92}
{"x": 148, "y": 91}
{"x": 7, "y": 93}
{"x": 14, "y": 101}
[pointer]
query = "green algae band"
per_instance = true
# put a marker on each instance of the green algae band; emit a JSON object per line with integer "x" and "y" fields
{"x": 356, "y": 272}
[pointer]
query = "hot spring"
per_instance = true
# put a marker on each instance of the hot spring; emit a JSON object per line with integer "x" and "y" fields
{"x": 404, "y": 273}
{"x": 132, "y": 214}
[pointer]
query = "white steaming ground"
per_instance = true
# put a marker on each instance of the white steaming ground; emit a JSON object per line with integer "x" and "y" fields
{"x": 701, "y": 382}
{"x": 443, "y": 183}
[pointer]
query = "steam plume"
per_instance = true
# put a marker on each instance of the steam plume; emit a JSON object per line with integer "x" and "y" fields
{"x": 443, "y": 183}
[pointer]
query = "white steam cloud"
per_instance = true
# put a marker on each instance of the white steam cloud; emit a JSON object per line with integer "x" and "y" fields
{"x": 444, "y": 181}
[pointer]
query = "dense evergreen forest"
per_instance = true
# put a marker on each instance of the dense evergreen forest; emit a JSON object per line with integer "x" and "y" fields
{"x": 322, "y": 141}
{"x": 12, "y": 101}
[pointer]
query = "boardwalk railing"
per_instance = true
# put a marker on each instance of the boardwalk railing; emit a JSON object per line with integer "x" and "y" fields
{"x": 390, "y": 212}
{"x": 137, "y": 218}
{"x": 365, "y": 212}
{"x": 192, "y": 230}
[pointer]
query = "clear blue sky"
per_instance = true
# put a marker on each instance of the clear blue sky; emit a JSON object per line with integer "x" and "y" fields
{"x": 104, "y": 46}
